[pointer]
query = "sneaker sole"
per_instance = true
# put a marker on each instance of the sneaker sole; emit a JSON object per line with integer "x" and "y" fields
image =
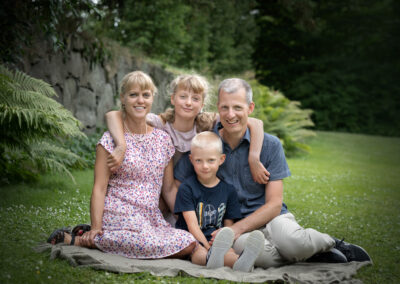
{"x": 222, "y": 243}
{"x": 253, "y": 247}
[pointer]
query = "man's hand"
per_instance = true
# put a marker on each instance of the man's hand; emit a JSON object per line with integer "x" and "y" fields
{"x": 115, "y": 159}
{"x": 87, "y": 239}
{"x": 258, "y": 171}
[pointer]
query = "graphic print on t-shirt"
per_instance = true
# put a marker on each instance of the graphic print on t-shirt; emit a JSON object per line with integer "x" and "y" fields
{"x": 221, "y": 213}
{"x": 208, "y": 216}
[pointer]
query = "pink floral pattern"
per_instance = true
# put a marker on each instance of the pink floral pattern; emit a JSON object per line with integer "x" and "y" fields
{"x": 133, "y": 225}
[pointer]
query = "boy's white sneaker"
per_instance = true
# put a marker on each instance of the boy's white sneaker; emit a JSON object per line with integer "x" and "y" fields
{"x": 253, "y": 246}
{"x": 222, "y": 243}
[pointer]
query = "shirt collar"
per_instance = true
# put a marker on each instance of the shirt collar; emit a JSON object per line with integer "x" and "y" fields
{"x": 246, "y": 135}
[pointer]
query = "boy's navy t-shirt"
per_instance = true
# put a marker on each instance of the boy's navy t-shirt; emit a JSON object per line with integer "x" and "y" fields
{"x": 212, "y": 205}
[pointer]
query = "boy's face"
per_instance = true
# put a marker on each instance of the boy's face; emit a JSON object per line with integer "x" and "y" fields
{"x": 206, "y": 162}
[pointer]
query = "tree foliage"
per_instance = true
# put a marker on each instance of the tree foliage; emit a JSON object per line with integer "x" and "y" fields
{"x": 32, "y": 127}
{"x": 339, "y": 58}
{"x": 24, "y": 22}
{"x": 209, "y": 36}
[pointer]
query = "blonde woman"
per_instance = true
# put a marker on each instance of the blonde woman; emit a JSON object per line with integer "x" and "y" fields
{"x": 125, "y": 216}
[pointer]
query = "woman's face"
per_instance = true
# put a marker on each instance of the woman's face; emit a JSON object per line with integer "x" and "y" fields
{"x": 137, "y": 102}
{"x": 187, "y": 103}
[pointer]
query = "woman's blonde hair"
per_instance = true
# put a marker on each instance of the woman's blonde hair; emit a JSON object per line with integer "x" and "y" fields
{"x": 139, "y": 78}
{"x": 196, "y": 84}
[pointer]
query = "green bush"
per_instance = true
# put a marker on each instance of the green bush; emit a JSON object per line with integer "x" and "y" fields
{"x": 85, "y": 147}
{"x": 33, "y": 128}
{"x": 282, "y": 118}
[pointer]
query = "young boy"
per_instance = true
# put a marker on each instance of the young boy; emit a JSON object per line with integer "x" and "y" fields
{"x": 204, "y": 203}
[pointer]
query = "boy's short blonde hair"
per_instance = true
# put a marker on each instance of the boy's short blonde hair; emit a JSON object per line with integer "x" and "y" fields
{"x": 139, "y": 78}
{"x": 207, "y": 139}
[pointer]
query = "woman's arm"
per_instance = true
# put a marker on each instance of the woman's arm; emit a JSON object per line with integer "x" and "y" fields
{"x": 258, "y": 171}
{"x": 169, "y": 189}
{"x": 101, "y": 176}
{"x": 115, "y": 125}
{"x": 194, "y": 229}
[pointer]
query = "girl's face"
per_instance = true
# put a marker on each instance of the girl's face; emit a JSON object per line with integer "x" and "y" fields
{"x": 187, "y": 104}
{"x": 137, "y": 102}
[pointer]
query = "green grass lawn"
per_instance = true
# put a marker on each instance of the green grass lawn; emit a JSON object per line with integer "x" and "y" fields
{"x": 348, "y": 186}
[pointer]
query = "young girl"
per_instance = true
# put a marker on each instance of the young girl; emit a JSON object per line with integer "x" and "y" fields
{"x": 124, "y": 211}
{"x": 184, "y": 121}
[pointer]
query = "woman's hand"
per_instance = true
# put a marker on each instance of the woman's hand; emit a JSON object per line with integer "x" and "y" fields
{"x": 87, "y": 239}
{"x": 258, "y": 171}
{"x": 115, "y": 159}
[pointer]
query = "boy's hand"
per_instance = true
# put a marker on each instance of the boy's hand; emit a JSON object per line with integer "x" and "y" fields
{"x": 258, "y": 171}
{"x": 115, "y": 159}
{"x": 214, "y": 234}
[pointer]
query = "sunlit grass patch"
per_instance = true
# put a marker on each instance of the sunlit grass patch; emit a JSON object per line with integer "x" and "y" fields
{"x": 348, "y": 186}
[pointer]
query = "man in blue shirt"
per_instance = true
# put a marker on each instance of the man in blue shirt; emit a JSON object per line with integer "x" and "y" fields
{"x": 262, "y": 205}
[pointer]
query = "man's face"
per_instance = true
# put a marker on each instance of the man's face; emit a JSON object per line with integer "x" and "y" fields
{"x": 234, "y": 111}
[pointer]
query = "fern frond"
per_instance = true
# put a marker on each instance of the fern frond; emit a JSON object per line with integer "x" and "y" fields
{"x": 4, "y": 72}
{"x": 46, "y": 124}
{"x": 28, "y": 83}
{"x": 46, "y": 149}
{"x": 52, "y": 165}
{"x": 29, "y": 118}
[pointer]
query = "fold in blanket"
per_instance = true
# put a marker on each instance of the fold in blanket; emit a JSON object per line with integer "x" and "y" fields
{"x": 294, "y": 273}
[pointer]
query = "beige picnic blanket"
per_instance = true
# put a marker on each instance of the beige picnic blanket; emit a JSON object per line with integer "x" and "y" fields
{"x": 294, "y": 273}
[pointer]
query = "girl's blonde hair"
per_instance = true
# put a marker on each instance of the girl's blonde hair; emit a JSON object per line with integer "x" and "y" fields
{"x": 138, "y": 78}
{"x": 190, "y": 82}
{"x": 196, "y": 84}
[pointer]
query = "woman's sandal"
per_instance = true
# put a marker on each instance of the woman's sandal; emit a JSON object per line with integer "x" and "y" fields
{"x": 79, "y": 230}
{"x": 58, "y": 236}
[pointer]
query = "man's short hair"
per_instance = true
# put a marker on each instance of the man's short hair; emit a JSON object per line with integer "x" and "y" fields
{"x": 207, "y": 139}
{"x": 232, "y": 85}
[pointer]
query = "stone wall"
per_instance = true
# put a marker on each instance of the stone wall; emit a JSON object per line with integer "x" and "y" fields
{"x": 90, "y": 90}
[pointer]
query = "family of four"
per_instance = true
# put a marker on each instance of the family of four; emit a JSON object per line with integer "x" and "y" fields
{"x": 220, "y": 174}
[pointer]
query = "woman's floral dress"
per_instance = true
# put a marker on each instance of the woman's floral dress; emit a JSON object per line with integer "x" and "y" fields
{"x": 133, "y": 225}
